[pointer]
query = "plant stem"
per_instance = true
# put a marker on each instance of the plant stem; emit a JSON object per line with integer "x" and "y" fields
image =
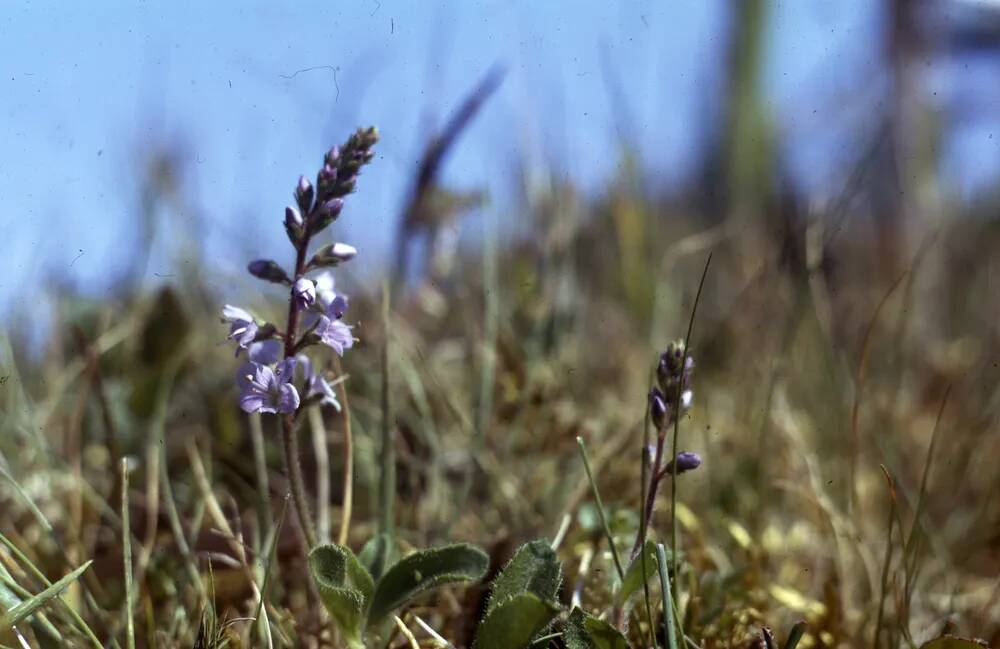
{"x": 289, "y": 436}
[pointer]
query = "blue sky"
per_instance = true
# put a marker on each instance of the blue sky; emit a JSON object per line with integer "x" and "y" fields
{"x": 255, "y": 92}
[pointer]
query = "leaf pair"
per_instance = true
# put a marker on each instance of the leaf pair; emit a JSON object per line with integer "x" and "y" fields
{"x": 584, "y": 631}
{"x": 357, "y": 601}
{"x": 523, "y": 599}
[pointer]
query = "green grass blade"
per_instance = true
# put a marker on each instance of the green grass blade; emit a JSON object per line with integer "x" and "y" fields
{"x": 668, "y": 602}
{"x": 29, "y": 606}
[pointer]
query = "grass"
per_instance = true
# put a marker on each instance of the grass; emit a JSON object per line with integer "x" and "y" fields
{"x": 468, "y": 392}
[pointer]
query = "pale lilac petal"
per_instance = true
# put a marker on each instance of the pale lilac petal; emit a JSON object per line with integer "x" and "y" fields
{"x": 232, "y": 313}
{"x": 252, "y": 403}
{"x": 288, "y": 399}
{"x": 335, "y": 334}
{"x": 304, "y": 293}
{"x": 337, "y": 307}
{"x": 319, "y": 386}
{"x": 286, "y": 370}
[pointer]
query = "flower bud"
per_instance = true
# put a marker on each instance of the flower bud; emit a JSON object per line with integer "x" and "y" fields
{"x": 268, "y": 270}
{"x": 292, "y": 217}
{"x": 304, "y": 195}
{"x": 332, "y": 156}
{"x": 684, "y": 462}
{"x": 325, "y": 214}
{"x": 304, "y": 293}
{"x": 332, "y": 255}
{"x": 657, "y": 408}
{"x": 293, "y": 225}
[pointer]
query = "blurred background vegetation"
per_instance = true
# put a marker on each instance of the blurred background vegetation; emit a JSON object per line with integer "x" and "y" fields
{"x": 847, "y": 332}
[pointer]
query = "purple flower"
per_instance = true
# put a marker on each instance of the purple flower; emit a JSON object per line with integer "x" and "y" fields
{"x": 243, "y": 330}
{"x": 328, "y": 301}
{"x": 268, "y": 390}
{"x": 334, "y": 333}
{"x": 304, "y": 293}
{"x": 325, "y": 289}
{"x": 316, "y": 386}
{"x": 684, "y": 462}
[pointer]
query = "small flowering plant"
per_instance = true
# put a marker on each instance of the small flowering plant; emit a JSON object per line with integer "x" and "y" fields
{"x": 279, "y": 377}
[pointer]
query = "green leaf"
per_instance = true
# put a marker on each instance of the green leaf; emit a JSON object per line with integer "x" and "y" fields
{"x": 585, "y": 631}
{"x": 951, "y": 642}
{"x": 533, "y": 569}
{"x": 19, "y": 612}
{"x": 377, "y": 555}
{"x": 634, "y": 576}
{"x": 514, "y": 622}
{"x": 422, "y": 571}
{"x": 345, "y": 587}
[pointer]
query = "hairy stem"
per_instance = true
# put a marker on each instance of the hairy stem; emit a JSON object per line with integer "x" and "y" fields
{"x": 290, "y": 444}
{"x": 289, "y": 436}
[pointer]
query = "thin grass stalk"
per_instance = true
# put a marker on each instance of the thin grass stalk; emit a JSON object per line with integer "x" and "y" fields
{"x": 348, "y": 486}
{"x": 127, "y": 559}
{"x": 387, "y": 460}
{"x": 321, "y": 456}
{"x": 909, "y": 547}
{"x": 677, "y": 425}
{"x": 600, "y": 509}
{"x": 170, "y": 508}
{"x": 260, "y": 473}
{"x": 887, "y": 560}
{"x": 859, "y": 379}
{"x": 669, "y": 632}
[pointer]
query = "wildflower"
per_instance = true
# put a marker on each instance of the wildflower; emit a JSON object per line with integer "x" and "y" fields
{"x": 333, "y": 333}
{"x": 268, "y": 390}
{"x": 326, "y": 291}
{"x": 684, "y": 462}
{"x": 243, "y": 330}
{"x": 317, "y": 389}
{"x": 304, "y": 293}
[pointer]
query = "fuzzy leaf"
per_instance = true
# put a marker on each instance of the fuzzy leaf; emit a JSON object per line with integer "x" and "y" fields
{"x": 377, "y": 555}
{"x": 533, "y": 569}
{"x": 634, "y": 578}
{"x": 585, "y": 631}
{"x": 345, "y": 587}
{"x": 512, "y": 623}
{"x": 951, "y": 642}
{"x": 422, "y": 571}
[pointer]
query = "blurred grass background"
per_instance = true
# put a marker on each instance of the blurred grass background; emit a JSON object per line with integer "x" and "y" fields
{"x": 843, "y": 337}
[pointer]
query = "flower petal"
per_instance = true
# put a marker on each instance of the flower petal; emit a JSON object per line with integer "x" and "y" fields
{"x": 288, "y": 400}
{"x": 266, "y": 352}
{"x": 232, "y": 313}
